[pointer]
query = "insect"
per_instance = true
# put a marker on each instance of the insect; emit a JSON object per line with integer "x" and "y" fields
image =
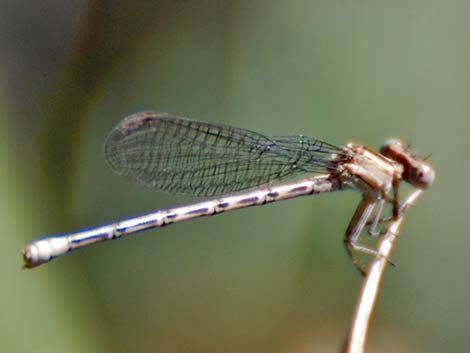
{"x": 239, "y": 168}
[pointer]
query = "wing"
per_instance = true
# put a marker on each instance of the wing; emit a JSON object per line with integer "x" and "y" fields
{"x": 186, "y": 156}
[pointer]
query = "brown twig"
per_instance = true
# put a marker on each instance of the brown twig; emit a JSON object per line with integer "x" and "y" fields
{"x": 357, "y": 336}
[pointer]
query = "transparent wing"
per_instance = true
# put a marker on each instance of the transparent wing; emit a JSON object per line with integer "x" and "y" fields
{"x": 186, "y": 156}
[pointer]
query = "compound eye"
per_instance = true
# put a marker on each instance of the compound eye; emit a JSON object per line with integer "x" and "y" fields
{"x": 423, "y": 176}
{"x": 417, "y": 172}
{"x": 393, "y": 149}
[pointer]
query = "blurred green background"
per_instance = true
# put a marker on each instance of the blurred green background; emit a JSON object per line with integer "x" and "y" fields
{"x": 266, "y": 279}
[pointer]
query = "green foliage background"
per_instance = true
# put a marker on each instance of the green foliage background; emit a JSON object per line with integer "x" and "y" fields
{"x": 269, "y": 279}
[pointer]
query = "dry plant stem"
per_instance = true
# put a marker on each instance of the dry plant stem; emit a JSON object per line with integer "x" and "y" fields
{"x": 357, "y": 336}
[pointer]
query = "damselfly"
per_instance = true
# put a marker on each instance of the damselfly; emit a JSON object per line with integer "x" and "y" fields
{"x": 239, "y": 168}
